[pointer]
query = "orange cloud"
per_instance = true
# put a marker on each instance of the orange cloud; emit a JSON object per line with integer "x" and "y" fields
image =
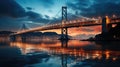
{"x": 85, "y": 30}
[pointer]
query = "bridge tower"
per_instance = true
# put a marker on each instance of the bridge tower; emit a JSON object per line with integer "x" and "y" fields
{"x": 64, "y": 30}
{"x": 24, "y": 36}
{"x": 24, "y": 27}
{"x": 106, "y": 26}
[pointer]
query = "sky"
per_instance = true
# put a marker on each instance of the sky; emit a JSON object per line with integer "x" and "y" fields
{"x": 35, "y": 13}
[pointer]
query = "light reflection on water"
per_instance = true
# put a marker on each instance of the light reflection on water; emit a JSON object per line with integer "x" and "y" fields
{"x": 75, "y": 54}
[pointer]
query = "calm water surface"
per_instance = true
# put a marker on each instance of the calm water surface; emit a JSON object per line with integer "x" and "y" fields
{"x": 75, "y": 53}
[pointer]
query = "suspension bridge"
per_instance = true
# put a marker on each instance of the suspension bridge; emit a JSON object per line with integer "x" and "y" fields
{"x": 65, "y": 24}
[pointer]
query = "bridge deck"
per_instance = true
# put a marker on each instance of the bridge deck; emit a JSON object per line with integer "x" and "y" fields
{"x": 68, "y": 25}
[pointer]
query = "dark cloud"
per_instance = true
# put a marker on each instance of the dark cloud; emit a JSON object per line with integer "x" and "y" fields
{"x": 46, "y": 16}
{"x": 87, "y": 8}
{"x": 101, "y": 9}
{"x": 79, "y": 4}
{"x": 29, "y": 8}
{"x": 33, "y": 15}
{"x": 9, "y": 12}
{"x": 46, "y": 3}
{"x": 12, "y": 16}
{"x": 10, "y": 24}
{"x": 94, "y": 8}
{"x": 11, "y": 8}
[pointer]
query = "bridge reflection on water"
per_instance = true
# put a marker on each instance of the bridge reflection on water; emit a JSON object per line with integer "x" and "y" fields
{"x": 73, "y": 53}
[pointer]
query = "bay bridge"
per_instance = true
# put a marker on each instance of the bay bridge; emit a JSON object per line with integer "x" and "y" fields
{"x": 65, "y": 24}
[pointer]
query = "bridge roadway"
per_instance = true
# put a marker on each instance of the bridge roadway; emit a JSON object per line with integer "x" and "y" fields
{"x": 70, "y": 24}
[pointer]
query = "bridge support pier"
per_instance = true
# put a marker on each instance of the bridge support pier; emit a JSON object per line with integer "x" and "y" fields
{"x": 23, "y": 38}
{"x": 18, "y": 38}
{"x": 64, "y": 34}
{"x": 13, "y": 38}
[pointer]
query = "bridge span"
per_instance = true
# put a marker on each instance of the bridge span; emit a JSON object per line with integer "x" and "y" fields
{"x": 70, "y": 24}
{"x": 106, "y": 24}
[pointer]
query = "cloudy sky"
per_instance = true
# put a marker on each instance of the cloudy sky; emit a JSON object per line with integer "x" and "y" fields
{"x": 34, "y": 13}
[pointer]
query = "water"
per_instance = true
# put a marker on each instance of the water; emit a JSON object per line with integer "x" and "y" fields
{"x": 75, "y": 53}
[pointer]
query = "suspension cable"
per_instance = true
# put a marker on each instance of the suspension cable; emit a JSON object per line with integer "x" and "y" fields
{"x": 55, "y": 16}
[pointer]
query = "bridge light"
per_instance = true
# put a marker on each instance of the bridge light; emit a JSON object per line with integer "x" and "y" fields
{"x": 99, "y": 17}
{"x": 78, "y": 20}
{"x": 74, "y": 21}
{"x": 107, "y": 20}
{"x": 83, "y": 19}
{"x": 62, "y": 22}
{"x": 93, "y": 18}
{"x": 106, "y": 16}
{"x": 114, "y": 16}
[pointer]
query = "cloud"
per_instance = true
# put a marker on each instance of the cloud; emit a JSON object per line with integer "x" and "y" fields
{"x": 95, "y": 8}
{"x": 87, "y": 8}
{"x": 33, "y": 15}
{"x": 79, "y": 4}
{"x": 87, "y": 29}
{"x": 29, "y": 8}
{"x": 47, "y": 3}
{"x": 10, "y": 24}
{"x": 11, "y": 8}
{"x": 9, "y": 12}
{"x": 15, "y": 15}
{"x": 84, "y": 30}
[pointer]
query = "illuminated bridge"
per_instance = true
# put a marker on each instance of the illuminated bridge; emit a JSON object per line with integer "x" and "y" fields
{"x": 69, "y": 25}
{"x": 105, "y": 22}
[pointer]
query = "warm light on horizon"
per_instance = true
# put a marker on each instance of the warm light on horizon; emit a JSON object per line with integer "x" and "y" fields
{"x": 79, "y": 31}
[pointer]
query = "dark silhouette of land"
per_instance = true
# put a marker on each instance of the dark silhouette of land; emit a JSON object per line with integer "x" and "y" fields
{"x": 32, "y": 35}
{"x": 112, "y": 35}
